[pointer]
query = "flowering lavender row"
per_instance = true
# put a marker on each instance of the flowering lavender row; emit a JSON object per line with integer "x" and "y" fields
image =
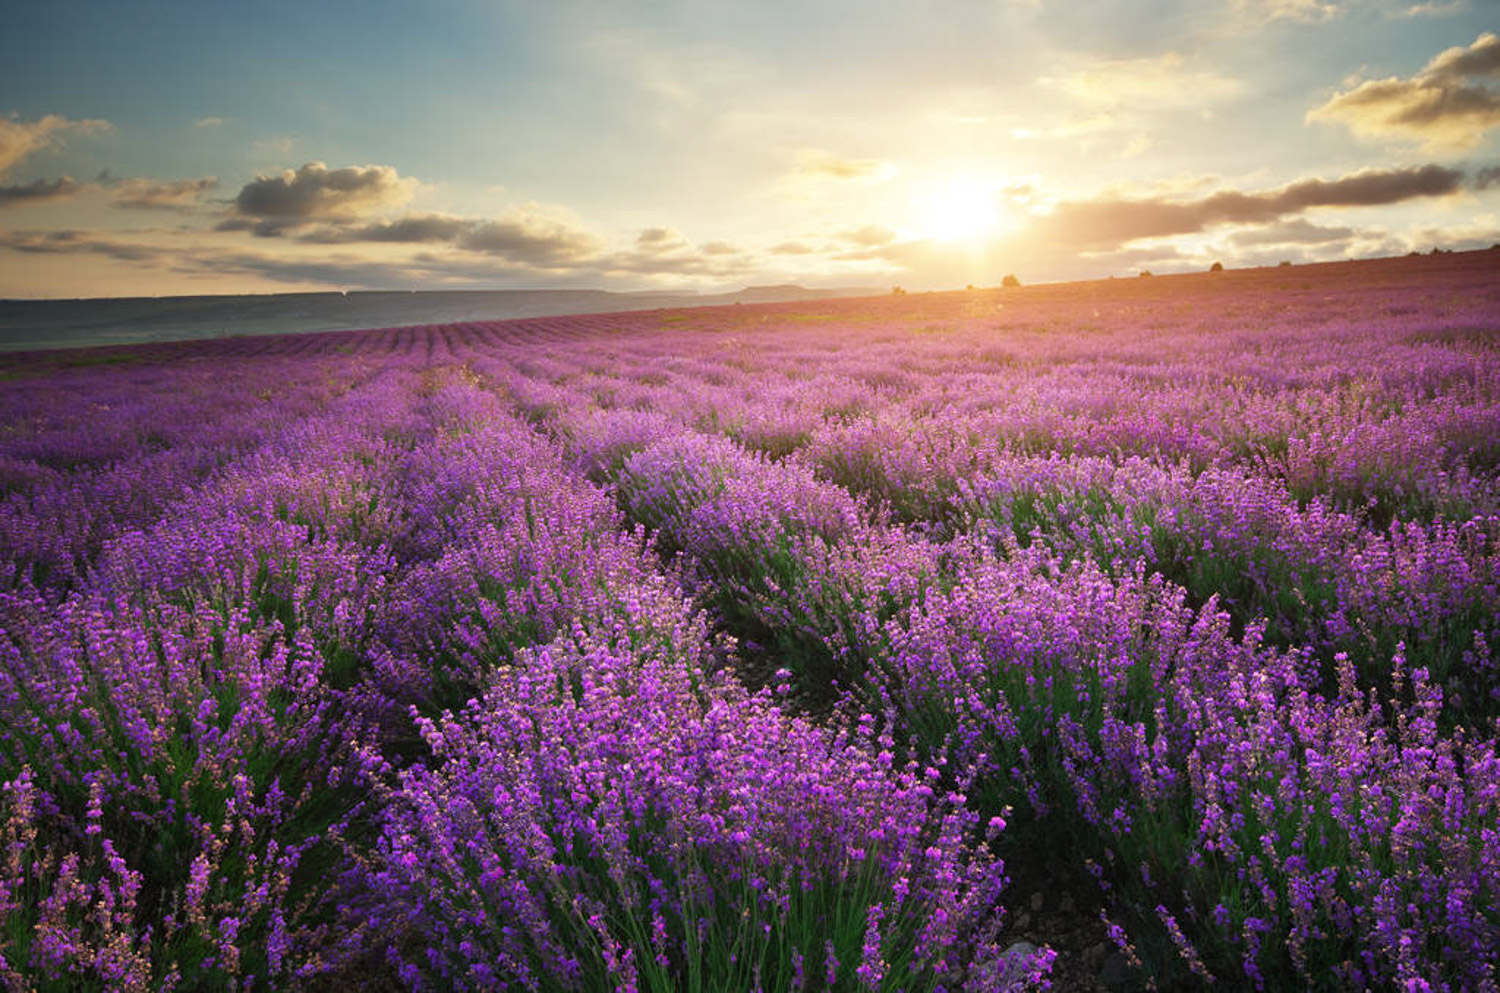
{"x": 1412, "y": 601}
{"x": 752, "y": 648}
{"x": 1186, "y": 761}
{"x": 202, "y": 740}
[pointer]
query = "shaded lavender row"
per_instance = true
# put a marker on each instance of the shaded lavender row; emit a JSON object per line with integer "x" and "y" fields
{"x": 94, "y": 452}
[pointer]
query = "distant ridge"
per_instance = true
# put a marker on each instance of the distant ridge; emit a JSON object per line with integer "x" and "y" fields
{"x": 39, "y": 324}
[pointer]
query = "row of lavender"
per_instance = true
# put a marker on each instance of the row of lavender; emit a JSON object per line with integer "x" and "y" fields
{"x": 398, "y": 679}
{"x": 1227, "y": 629}
{"x": 394, "y": 694}
{"x": 1352, "y": 502}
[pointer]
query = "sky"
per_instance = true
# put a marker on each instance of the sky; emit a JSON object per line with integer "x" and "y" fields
{"x": 155, "y": 148}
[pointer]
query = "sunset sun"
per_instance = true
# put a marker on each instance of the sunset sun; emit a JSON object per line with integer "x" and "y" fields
{"x": 957, "y": 208}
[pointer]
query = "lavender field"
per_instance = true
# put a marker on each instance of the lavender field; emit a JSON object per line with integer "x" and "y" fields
{"x": 771, "y": 647}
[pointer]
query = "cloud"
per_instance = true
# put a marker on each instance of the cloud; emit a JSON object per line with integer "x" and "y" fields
{"x": 659, "y": 238}
{"x": 1109, "y": 222}
{"x": 1154, "y": 83}
{"x": 526, "y": 237}
{"x": 208, "y": 122}
{"x": 200, "y": 259}
{"x": 869, "y": 235}
{"x": 67, "y": 242}
{"x": 687, "y": 261}
{"x": 1303, "y": 11}
{"x": 1444, "y": 106}
{"x": 40, "y": 190}
{"x": 147, "y": 194}
{"x": 667, "y": 251}
{"x": 341, "y": 270}
{"x": 315, "y": 192}
{"x": 818, "y": 164}
{"x": 1480, "y": 59}
{"x": 1434, "y": 8}
{"x": 530, "y": 237}
{"x": 154, "y": 194}
{"x": 1294, "y": 232}
{"x": 792, "y": 248}
{"x": 412, "y": 229}
{"x": 269, "y": 228}
{"x": 19, "y": 139}
{"x": 531, "y": 240}
{"x": 1487, "y": 177}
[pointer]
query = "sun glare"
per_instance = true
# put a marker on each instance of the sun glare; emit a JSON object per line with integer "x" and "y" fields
{"x": 957, "y": 208}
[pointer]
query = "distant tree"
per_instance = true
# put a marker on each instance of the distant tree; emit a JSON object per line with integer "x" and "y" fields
{"x": 1010, "y": 280}
{"x": 897, "y": 291}
{"x": 1145, "y": 274}
{"x": 1216, "y": 267}
{"x": 970, "y": 287}
{"x": 1284, "y": 264}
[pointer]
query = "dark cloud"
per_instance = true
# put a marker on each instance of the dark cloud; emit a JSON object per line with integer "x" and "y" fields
{"x": 531, "y": 241}
{"x": 151, "y": 194}
{"x": 67, "y": 242}
{"x": 526, "y": 240}
{"x": 1487, "y": 177}
{"x": 211, "y": 259}
{"x": 414, "y": 229}
{"x": 792, "y": 248}
{"x": 1298, "y": 231}
{"x": 337, "y": 271}
{"x": 658, "y": 236}
{"x": 1110, "y": 222}
{"x": 42, "y": 189}
{"x": 315, "y": 192}
{"x": 268, "y": 228}
{"x": 430, "y": 268}
{"x": 1444, "y": 105}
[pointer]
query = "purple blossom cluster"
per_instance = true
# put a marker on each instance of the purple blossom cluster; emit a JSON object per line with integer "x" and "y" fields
{"x": 751, "y": 647}
{"x": 608, "y": 819}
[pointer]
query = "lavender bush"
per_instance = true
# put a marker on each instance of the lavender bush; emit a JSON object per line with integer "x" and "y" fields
{"x": 603, "y": 820}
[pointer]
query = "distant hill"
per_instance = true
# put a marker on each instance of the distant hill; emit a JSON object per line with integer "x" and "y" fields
{"x": 38, "y": 324}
